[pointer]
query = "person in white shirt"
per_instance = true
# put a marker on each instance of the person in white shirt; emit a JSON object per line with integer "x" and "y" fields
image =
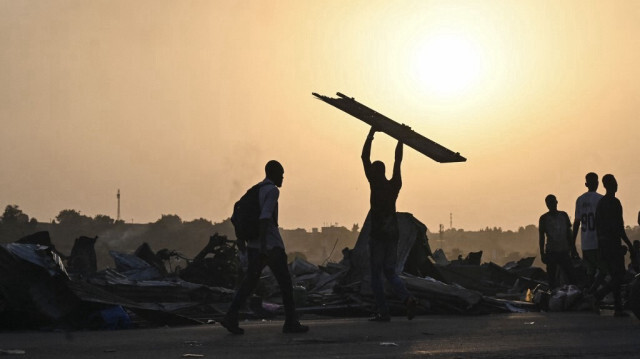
{"x": 585, "y": 221}
{"x": 266, "y": 250}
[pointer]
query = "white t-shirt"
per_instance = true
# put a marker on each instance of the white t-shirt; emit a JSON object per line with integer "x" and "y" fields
{"x": 586, "y": 212}
{"x": 268, "y": 197}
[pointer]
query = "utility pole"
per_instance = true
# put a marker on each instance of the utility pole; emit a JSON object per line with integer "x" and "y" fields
{"x": 450, "y": 220}
{"x": 118, "y": 218}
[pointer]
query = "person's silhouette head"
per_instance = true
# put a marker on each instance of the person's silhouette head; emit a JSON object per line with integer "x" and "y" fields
{"x": 552, "y": 202}
{"x": 592, "y": 181}
{"x": 610, "y": 184}
{"x": 378, "y": 170}
{"x": 275, "y": 172}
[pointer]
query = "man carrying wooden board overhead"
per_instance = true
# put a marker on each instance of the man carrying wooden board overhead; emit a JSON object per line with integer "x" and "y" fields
{"x": 384, "y": 236}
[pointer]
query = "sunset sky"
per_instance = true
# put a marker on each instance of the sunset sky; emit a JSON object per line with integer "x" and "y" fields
{"x": 179, "y": 104}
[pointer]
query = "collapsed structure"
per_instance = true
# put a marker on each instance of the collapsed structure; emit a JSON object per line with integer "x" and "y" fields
{"x": 37, "y": 289}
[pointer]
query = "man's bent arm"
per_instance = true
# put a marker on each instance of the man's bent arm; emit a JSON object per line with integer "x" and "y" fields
{"x": 623, "y": 233}
{"x": 366, "y": 152}
{"x": 264, "y": 224}
{"x": 266, "y": 215}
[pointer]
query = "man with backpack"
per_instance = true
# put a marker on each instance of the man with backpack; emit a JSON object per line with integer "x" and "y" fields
{"x": 255, "y": 218}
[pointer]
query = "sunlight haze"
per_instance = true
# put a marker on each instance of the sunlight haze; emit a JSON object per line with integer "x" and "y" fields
{"x": 179, "y": 104}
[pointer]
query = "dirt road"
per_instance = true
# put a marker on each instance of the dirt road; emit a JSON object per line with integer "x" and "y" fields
{"x": 527, "y": 335}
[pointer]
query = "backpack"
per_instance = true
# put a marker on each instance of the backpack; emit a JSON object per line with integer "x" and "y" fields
{"x": 246, "y": 214}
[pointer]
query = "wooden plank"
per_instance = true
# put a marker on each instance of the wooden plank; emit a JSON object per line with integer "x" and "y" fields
{"x": 400, "y": 132}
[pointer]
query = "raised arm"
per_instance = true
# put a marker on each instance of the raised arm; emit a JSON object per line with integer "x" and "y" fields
{"x": 396, "y": 164}
{"x": 366, "y": 152}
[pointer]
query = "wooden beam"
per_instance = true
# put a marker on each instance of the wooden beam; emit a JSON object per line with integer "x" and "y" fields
{"x": 392, "y": 128}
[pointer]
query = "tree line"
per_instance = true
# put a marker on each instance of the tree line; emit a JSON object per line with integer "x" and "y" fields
{"x": 189, "y": 237}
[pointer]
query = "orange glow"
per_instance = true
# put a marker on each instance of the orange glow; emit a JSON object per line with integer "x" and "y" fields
{"x": 180, "y": 105}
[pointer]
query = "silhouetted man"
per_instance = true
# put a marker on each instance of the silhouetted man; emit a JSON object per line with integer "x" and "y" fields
{"x": 556, "y": 227}
{"x": 610, "y": 228}
{"x": 586, "y": 217}
{"x": 383, "y": 240}
{"x": 267, "y": 249}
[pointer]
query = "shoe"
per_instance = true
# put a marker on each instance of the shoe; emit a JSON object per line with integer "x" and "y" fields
{"x": 294, "y": 327}
{"x": 232, "y": 326}
{"x": 380, "y": 318}
{"x": 412, "y": 302}
{"x": 620, "y": 314}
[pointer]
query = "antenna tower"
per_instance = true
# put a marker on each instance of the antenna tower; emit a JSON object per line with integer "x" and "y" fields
{"x": 118, "y": 218}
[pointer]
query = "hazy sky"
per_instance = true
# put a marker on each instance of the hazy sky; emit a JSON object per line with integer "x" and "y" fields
{"x": 179, "y": 104}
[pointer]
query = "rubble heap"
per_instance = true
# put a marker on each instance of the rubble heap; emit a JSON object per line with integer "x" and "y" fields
{"x": 37, "y": 290}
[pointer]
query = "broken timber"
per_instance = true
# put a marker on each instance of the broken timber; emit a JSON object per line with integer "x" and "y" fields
{"x": 398, "y": 131}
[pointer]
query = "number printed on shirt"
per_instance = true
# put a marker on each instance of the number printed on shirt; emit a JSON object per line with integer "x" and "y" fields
{"x": 588, "y": 221}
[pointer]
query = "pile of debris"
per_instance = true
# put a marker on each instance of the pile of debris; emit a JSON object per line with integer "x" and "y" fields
{"x": 37, "y": 290}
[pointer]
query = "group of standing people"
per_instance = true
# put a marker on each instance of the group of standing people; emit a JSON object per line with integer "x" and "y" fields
{"x": 267, "y": 248}
{"x": 599, "y": 220}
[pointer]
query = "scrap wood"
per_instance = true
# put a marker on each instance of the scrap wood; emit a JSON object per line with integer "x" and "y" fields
{"x": 323, "y": 282}
{"x": 396, "y": 130}
{"x": 152, "y": 312}
{"x": 434, "y": 290}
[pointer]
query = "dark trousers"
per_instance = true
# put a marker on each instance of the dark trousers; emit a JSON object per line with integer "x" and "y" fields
{"x": 557, "y": 260}
{"x": 384, "y": 253}
{"x": 276, "y": 259}
{"x": 613, "y": 263}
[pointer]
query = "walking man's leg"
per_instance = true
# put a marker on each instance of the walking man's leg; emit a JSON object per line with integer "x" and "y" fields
{"x": 278, "y": 263}
{"x": 248, "y": 284}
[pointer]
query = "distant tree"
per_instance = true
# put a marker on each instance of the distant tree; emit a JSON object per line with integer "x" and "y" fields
{"x": 199, "y": 228}
{"x": 168, "y": 220}
{"x": 199, "y": 222}
{"x": 14, "y": 215}
{"x": 15, "y": 224}
{"x": 103, "y": 220}
{"x": 529, "y": 228}
{"x": 71, "y": 217}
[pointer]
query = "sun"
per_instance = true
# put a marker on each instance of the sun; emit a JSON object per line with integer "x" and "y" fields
{"x": 447, "y": 65}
